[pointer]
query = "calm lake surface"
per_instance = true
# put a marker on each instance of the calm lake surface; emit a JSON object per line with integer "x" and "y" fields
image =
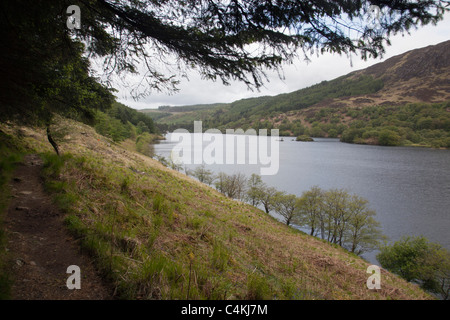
{"x": 409, "y": 188}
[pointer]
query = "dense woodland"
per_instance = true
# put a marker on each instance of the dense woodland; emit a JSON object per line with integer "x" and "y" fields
{"x": 121, "y": 122}
{"x": 417, "y": 124}
{"x": 407, "y": 125}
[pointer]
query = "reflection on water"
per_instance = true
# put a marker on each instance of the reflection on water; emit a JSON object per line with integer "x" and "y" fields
{"x": 408, "y": 187}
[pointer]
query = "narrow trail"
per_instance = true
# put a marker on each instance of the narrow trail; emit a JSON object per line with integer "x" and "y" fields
{"x": 40, "y": 248}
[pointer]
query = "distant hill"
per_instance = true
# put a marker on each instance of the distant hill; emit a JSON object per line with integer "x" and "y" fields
{"x": 421, "y": 75}
{"x": 418, "y": 77}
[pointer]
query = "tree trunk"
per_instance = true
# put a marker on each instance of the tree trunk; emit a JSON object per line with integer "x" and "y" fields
{"x": 52, "y": 142}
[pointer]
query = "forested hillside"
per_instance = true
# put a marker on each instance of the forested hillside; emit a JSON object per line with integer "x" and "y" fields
{"x": 401, "y": 101}
{"x": 121, "y": 122}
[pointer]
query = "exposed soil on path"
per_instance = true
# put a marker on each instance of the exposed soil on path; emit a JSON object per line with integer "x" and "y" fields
{"x": 40, "y": 248}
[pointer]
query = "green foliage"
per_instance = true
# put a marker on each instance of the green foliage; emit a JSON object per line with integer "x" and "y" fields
{"x": 52, "y": 167}
{"x": 121, "y": 122}
{"x": 232, "y": 185}
{"x": 113, "y": 128}
{"x": 160, "y": 206}
{"x": 266, "y": 197}
{"x": 307, "y": 97}
{"x": 47, "y": 69}
{"x": 310, "y": 206}
{"x": 220, "y": 256}
{"x": 203, "y": 175}
{"x": 413, "y": 124}
{"x": 402, "y": 257}
{"x": 255, "y": 187}
{"x": 190, "y": 107}
{"x": 342, "y": 218}
{"x": 141, "y": 121}
{"x": 53, "y": 164}
{"x": 258, "y": 288}
{"x": 142, "y": 127}
{"x": 286, "y": 206}
{"x": 388, "y": 137}
{"x": 304, "y": 138}
{"x": 351, "y": 135}
{"x": 144, "y": 144}
{"x": 417, "y": 259}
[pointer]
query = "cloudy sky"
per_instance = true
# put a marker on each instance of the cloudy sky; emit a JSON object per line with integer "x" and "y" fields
{"x": 296, "y": 76}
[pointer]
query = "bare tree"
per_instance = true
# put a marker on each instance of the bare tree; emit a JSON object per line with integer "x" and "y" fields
{"x": 255, "y": 187}
{"x": 203, "y": 175}
{"x": 233, "y": 186}
{"x": 342, "y": 218}
{"x": 311, "y": 210}
{"x": 362, "y": 232}
{"x": 336, "y": 214}
{"x": 267, "y": 198}
{"x": 286, "y": 206}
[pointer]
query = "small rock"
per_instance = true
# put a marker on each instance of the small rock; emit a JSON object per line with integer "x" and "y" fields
{"x": 22, "y": 209}
{"x": 32, "y": 263}
{"x": 17, "y": 179}
{"x": 20, "y": 262}
{"x": 26, "y": 192}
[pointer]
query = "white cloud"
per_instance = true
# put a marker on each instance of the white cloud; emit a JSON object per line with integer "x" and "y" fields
{"x": 296, "y": 76}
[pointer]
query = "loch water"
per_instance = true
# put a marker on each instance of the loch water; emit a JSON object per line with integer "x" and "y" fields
{"x": 408, "y": 187}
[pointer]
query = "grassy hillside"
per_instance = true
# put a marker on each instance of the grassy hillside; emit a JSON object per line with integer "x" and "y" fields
{"x": 158, "y": 234}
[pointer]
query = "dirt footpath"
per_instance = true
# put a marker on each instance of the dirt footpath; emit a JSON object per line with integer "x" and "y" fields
{"x": 40, "y": 249}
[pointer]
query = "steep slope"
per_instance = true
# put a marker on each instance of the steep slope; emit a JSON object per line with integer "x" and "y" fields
{"x": 157, "y": 234}
{"x": 421, "y": 75}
